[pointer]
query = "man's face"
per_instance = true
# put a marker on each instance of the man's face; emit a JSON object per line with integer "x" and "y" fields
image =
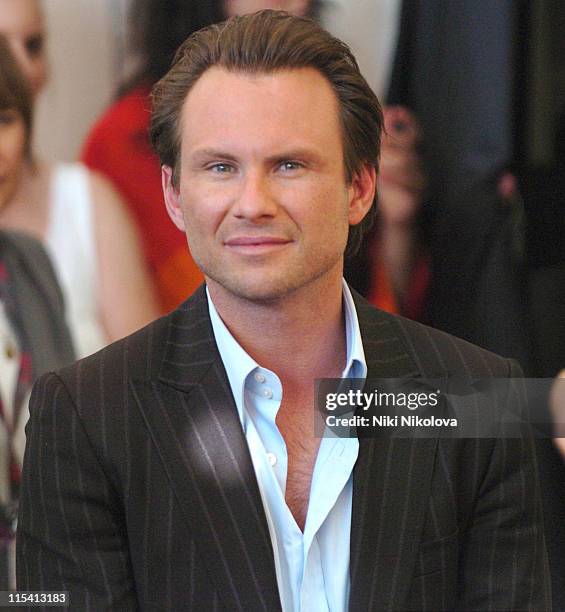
{"x": 263, "y": 197}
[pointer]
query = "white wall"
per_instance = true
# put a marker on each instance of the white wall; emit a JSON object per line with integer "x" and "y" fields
{"x": 85, "y": 51}
{"x": 370, "y": 28}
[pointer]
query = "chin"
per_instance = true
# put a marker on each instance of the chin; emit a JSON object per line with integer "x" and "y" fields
{"x": 259, "y": 292}
{"x": 260, "y": 289}
{"x": 268, "y": 288}
{"x": 270, "y": 283}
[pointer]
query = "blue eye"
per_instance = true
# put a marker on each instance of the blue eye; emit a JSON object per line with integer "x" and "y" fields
{"x": 290, "y": 165}
{"x": 221, "y": 168}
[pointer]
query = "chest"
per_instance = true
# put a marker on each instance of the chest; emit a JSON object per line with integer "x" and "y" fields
{"x": 295, "y": 422}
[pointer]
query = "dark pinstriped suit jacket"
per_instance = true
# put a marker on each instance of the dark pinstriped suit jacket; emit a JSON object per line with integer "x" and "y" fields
{"x": 139, "y": 491}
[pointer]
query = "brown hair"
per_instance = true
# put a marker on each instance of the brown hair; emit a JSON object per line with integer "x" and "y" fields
{"x": 265, "y": 42}
{"x": 15, "y": 93}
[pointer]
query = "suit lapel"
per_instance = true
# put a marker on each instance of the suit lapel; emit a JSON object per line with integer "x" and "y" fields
{"x": 193, "y": 422}
{"x": 391, "y": 481}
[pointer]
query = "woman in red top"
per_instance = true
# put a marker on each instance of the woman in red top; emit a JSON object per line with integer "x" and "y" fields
{"x": 118, "y": 148}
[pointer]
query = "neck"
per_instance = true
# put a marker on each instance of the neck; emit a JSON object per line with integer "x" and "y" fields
{"x": 300, "y": 336}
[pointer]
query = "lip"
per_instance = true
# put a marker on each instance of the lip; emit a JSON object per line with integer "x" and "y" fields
{"x": 256, "y": 244}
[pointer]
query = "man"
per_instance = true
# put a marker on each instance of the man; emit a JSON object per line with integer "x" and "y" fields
{"x": 179, "y": 469}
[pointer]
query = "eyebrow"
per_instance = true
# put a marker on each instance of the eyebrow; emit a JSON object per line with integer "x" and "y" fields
{"x": 205, "y": 154}
{"x": 201, "y": 155}
{"x": 298, "y": 153}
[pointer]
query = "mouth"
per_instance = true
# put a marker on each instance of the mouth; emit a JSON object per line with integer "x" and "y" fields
{"x": 250, "y": 245}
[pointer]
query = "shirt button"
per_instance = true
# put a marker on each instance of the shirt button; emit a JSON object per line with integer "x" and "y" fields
{"x": 272, "y": 459}
{"x": 259, "y": 377}
{"x": 266, "y": 392}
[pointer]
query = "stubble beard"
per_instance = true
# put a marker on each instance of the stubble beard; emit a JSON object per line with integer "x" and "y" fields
{"x": 270, "y": 286}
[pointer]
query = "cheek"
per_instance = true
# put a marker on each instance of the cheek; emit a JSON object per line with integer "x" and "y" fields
{"x": 39, "y": 79}
{"x": 203, "y": 208}
{"x": 325, "y": 211}
{"x": 12, "y": 147}
{"x": 37, "y": 73}
{"x": 12, "y": 162}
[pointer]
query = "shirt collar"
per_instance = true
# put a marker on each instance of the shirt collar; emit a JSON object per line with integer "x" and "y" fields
{"x": 239, "y": 364}
{"x": 355, "y": 365}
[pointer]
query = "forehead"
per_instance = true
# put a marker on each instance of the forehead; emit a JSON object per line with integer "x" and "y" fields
{"x": 19, "y": 16}
{"x": 298, "y": 106}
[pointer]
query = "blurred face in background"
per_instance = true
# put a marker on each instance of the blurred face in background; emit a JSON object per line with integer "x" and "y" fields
{"x": 12, "y": 153}
{"x": 21, "y": 22}
{"x": 242, "y": 7}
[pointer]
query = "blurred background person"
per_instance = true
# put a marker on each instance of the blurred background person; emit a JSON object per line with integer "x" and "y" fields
{"x": 33, "y": 335}
{"x": 33, "y": 339}
{"x": 75, "y": 213}
{"x": 486, "y": 81}
{"x": 391, "y": 269}
{"x": 118, "y": 147}
{"x": 454, "y": 68}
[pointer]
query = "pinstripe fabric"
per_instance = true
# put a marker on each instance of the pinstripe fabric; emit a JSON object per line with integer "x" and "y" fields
{"x": 139, "y": 490}
{"x": 443, "y": 524}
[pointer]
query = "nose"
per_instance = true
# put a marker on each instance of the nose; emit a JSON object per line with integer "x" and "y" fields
{"x": 22, "y": 57}
{"x": 255, "y": 199}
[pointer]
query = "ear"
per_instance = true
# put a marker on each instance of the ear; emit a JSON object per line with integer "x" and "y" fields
{"x": 361, "y": 193}
{"x": 172, "y": 197}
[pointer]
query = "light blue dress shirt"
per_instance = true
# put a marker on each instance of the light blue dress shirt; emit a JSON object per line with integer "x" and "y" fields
{"x": 312, "y": 568}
